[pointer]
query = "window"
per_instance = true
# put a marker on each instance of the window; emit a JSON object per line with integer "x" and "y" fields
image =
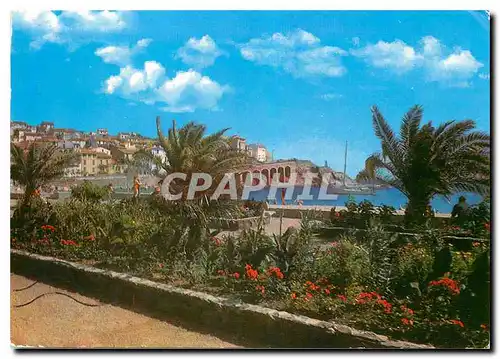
{"x": 93, "y": 162}
{"x": 84, "y": 162}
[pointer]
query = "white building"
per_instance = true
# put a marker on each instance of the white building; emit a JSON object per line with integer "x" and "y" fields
{"x": 259, "y": 152}
{"x": 102, "y": 131}
{"x": 102, "y": 150}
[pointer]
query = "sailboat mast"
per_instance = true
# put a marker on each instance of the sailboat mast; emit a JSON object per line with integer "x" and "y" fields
{"x": 345, "y": 161}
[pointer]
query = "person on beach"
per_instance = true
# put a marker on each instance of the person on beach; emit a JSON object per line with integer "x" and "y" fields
{"x": 38, "y": 192}
{"x": 111, "y": 190}
{"x": 137, "y": 186}
{"x": 283, "y": 192}
{"x": 460, "y": 208}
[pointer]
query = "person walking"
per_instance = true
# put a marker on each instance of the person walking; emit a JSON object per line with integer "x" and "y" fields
{"x": 137, "y": 186}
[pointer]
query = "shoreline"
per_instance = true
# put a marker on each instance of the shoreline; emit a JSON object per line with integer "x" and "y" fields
{"x": 325, "y": 208}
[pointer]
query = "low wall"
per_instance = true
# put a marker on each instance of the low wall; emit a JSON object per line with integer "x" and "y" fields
{"x": 240, "y": 223}
{"x": 323, "y": 212}
{"x": 252, "y": 323}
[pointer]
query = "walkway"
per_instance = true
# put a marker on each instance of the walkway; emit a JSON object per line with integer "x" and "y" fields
{"x": 56, "y": 321}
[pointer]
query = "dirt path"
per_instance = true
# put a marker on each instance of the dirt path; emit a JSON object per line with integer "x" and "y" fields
{"x": 57, "y": 321}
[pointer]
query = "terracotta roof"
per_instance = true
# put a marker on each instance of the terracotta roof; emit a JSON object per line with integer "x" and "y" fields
{"x": 65, "y": 130}
{"x": 127, "y": 150}
{"x": 49, "y": 139}
{"x": 103, "y": 155}
{"x": 88, "y": 151}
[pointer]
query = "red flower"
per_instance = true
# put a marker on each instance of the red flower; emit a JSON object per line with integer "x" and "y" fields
{"x": 312, "y": 286}
{"x": 387, "y": 306}
{"x": 216, "y": 241}
{"x": 342, "y": 297}
{"x": 251, "y": 273}
{"x": 476, "y": 244}
{"x": 338, "y": 214}
{"x": 68, "y": 242}
{"x": 90, "y": 238}
{"x": 448, "y": 283}
{"x": 221, "y": 272}
{"x": 260, "y": 288}
{"x": 364, "y": 297}
{"x": 276, "y": 271}
{"x": 236, "y": 275}
{"x": 406, "y": 321}
{"x": 308, "y": 296}
{"x": 327, "y": 291}
{"x": 293, "y": 295}
{"x": 407, "y": 310}
{"x": 161, "y": 265}
{"x": 484, "y": 327}
{"x": 335, "y": 244}
{"x": 487, "y": 226}
{"x": 457, "y": 322}
{"x": 48, "y": 227}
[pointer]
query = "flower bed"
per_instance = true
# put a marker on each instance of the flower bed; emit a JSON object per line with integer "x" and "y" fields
{"x": 254, "y": 325}
{"x": 423, "y": 292}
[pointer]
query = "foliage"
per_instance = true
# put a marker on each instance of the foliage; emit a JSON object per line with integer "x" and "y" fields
{"x": 476, "y": 220}
{"x": 36, "y": 166}
{"x": 363, "y": 215}
{"x": 89, "y": 191}
{"x": 423, "y": 291}
{"x": 424, "y": 161}
{"x": 189, "y": 150}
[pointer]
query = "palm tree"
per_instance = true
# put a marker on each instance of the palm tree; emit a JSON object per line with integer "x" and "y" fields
{"x": 36, "y": 166}
{"x": 425, "y": 161}
{"x": 188, "y": 150}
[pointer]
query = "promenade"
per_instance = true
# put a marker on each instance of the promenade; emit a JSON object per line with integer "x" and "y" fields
{"x": 56, "y": 321}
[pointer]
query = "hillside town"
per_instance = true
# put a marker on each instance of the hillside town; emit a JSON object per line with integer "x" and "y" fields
{"x": 103, "y": 153}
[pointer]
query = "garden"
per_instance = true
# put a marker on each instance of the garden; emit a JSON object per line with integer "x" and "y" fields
{"x": 422, "y": 288}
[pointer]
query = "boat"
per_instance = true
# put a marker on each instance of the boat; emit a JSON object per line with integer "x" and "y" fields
{"x": 353, "y": 189}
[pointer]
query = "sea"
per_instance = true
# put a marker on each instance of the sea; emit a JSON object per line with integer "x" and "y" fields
{"x": 387, "y": 196}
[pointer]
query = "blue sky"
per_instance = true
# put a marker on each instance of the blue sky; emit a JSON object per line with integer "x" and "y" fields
{"x": 301, "y": 83}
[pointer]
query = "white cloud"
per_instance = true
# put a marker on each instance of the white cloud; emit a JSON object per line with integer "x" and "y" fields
{"x": 396, "y": 55}
{"x": 454, "y": 68}
{"x": 199, "y": 53}
{"x": 69, "y": 26}
{"x": 331, "y": 96}
{"x": 121, "y": 55}
{"x": 187, "y": 91}
{"x": 298, "y": 53}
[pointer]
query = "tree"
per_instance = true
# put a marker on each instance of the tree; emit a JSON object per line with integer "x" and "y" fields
{"x": 103, "y": 169}
{"x": 36, "y": 166}
{"x": 424, "y": 161}
{"x": 145, "y": 162}
{"x": 189, "y": 150}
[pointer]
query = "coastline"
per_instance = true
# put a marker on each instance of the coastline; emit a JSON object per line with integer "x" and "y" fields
{"x": 322, "y": 208}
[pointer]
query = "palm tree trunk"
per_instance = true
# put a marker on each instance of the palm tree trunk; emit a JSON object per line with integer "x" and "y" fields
{"x": 415, "y": 211}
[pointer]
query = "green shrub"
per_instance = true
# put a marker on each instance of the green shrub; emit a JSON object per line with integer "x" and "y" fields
{"x": 89, "y": 191}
